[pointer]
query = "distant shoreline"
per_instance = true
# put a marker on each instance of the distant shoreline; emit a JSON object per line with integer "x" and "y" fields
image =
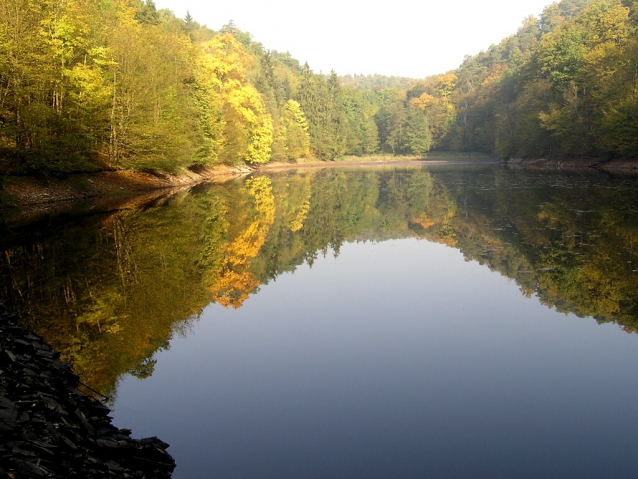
{"x": 26, "y": 191}
{"x": 118, "y": 187}
{"x": 381, "y": 162}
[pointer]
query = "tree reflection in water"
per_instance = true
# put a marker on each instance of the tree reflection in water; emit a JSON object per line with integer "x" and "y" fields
{"x": 109, "y": 290}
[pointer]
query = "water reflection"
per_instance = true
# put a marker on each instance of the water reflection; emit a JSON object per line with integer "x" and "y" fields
{"x": 109, "y": 290}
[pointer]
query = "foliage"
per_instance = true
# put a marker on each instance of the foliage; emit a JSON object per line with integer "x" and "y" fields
{"x": 564, "y": 85}
{"x": 320, "y": 98}
{"x": 87, "y": 85}
{"x": 293, "y": 133}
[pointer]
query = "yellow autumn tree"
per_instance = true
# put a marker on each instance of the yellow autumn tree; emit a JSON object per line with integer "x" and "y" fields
{"x": 437, "y": 105}
{"x": 298, "y": 204}
{"x": 233, "y": 116}
{"x": 236, "y": 282}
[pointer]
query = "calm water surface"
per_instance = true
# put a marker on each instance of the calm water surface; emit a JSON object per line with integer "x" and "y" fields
{"x": 408, "y": 323}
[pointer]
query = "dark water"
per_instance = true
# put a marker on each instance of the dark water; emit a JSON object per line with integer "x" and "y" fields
{"x": 445, "y": 322}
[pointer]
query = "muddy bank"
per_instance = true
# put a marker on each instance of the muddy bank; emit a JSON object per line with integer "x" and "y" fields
{"x": 50, "y": 429}
{"x": 23, "y": 191}
{"x": 620, "y": 166}
{"x": 18, "y": 216}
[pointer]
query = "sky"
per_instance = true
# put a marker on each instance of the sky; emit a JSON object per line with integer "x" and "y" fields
{"x": 408, "y": 38}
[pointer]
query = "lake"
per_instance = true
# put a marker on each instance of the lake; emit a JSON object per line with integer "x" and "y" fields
{"x": 450, "y": 321}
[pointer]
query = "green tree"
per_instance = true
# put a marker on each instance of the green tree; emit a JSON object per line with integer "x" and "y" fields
{"x": 294, "y": 131}
{"x": 321, "y": 100}
{"x": 417, "y": 132}
{"x": 152, "y": 114}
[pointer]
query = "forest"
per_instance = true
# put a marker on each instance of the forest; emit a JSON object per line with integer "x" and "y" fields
{"x": 88, "y": 85}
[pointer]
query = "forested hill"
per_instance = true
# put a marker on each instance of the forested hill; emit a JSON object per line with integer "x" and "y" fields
{"x": 376, "y": 82}
{"x": 565, "y": 85}
{"x": 87, "y": 85}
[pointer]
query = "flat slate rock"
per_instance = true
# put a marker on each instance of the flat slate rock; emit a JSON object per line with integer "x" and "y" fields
{"x": 49, "y": 429}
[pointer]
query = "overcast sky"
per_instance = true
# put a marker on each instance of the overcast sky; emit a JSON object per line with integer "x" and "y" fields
{"x": 395, "y": 37}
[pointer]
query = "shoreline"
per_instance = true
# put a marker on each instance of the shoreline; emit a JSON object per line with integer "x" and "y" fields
{"x": 119, "y": 187}
{"x": 25, "y": 191}
{"x": 116, "y": 189}
{"x": 617, "y": 167}
{"x": 364, "y": 164}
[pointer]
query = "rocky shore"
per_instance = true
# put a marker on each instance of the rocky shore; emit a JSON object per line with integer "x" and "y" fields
{"x": 49, "y": 429}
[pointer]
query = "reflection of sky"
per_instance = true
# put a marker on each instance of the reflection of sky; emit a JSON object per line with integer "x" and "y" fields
{"x": 397, "y": 359}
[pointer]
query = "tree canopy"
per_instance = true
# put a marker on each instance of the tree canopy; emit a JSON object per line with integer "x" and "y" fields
{"x": 88, "y": 85}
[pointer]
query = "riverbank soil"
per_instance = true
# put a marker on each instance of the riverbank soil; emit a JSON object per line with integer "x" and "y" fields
{"x": 381, "y": 161}
{"x": 30, "y": 190}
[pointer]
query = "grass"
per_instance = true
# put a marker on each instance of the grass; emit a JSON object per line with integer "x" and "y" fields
{"x": 457, "y": 155}
{"x": 432, "y": 155}
{"x": 386, "y": 158}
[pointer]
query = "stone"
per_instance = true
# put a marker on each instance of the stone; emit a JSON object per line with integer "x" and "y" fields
{"x": 50, "y": 429}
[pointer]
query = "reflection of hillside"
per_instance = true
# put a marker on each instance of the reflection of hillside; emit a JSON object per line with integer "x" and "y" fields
{"x": 569, "y": 240}
{"x": 234, "y": 282}
{"x": 109, "y": 290}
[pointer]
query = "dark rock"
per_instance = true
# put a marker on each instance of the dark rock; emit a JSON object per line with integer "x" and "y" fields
{"x": 50, "y": 429}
